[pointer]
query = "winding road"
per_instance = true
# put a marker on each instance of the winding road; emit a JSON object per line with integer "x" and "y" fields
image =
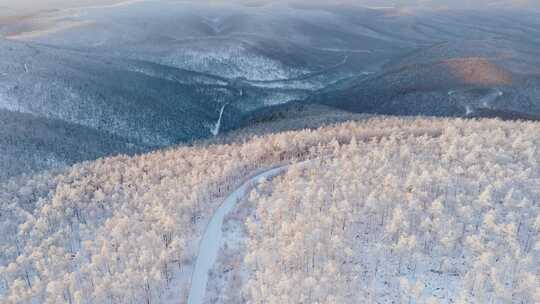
{"x": 212, "y": 239}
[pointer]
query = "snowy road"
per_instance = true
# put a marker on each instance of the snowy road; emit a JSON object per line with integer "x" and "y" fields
{"x": 217, "y": 127}
{"x": 212, "y": 238}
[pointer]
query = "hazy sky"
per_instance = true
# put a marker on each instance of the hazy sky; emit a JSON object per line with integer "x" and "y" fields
{"x": 9, "y": 7}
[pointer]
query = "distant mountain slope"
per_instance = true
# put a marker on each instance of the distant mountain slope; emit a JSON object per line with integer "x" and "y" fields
{"x": 105, "y": 93}
{"x": 156, "y": 75}
{"x": 295, "y": 115}
{"x": 448, "y": 79}
{"x": 29, "y": 144}
{"x": 274, "y": 42}
{"x": 144, "y": 103}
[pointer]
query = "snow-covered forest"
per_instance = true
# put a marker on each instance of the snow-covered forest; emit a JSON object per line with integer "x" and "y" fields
{"x": 403, "y": 219}
{"x": 388, "y": 209}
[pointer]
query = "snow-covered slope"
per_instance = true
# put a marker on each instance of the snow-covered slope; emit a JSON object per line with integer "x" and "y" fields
{"x": 431, "y": 198}
{"x": 145, "y": 103}
{"x": 30, "y": 144}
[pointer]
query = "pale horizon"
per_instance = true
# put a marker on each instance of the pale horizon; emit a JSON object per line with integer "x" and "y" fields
{"x": 30, "y": 6}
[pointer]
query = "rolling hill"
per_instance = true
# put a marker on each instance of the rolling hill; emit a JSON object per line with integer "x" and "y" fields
{"x": 159, "y": 73}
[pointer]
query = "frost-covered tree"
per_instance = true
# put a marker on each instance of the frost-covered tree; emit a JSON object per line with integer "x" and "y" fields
{"x": 403, "y": 217}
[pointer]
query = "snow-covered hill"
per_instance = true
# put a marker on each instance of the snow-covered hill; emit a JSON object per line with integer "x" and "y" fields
{"x": 389, "y": 209}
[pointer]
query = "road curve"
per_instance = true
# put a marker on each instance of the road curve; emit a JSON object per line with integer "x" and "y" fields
{"x": 212, "y": 239}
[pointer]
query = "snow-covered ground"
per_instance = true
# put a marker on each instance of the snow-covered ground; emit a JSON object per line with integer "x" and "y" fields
{"x": 488, "y": 100}
{"x": 472, "y": 102}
